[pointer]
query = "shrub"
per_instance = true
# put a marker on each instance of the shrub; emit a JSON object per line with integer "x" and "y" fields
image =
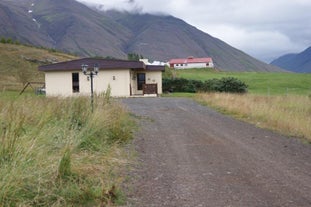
{"x": 3, "y": 40}
{"x": 181, "y": 85}
{"x": 134, "y": 56}
{"x": 229, "y": 84}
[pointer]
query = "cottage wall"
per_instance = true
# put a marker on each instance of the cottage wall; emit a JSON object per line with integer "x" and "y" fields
{"x": 193, "y": 65}
{"x": 58, "y": 84}
{"x": 118, "y": 80}
{"x": 155, "y": 77}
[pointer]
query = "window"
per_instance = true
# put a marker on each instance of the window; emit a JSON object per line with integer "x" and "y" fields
{"x": 75, "y": 83}
{"x": 141, "y": 80}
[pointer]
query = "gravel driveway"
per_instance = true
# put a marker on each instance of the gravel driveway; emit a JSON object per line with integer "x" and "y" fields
{"x": 191, "y": 155}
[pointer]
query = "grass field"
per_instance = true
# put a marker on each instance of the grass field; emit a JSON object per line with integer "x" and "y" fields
{"x": 259, "y": 83}
{"x": 56, "y": 152}
{"x": 289, "y": 115}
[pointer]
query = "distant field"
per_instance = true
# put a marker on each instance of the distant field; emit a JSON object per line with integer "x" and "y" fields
{"x": 258, "y": 82}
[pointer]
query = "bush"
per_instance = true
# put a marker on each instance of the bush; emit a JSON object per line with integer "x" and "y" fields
{"x": 181, "y": 85}
{"x": 228, "y": 84}
{"x": 3, "y": 40}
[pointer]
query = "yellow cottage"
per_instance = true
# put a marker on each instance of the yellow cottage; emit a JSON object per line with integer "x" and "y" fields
{"x": 125, "y": 78}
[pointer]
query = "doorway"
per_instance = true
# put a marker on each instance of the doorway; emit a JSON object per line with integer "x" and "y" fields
{"x": 141, "y": 80}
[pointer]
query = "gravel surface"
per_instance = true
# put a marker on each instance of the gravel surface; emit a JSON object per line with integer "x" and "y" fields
{"x": 190, "y": 155}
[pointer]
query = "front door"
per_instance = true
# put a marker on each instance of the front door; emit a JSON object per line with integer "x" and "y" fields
{"x": 141, "y": 80}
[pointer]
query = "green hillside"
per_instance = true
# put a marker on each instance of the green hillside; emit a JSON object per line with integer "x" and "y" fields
{"x": 265, "y": 83}
{"x": 19, "y": 64}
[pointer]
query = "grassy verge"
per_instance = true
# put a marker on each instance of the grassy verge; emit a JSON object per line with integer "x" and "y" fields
{"x": 55, "y": 152}
{"x": 176, "y": 95}
{"x": 290, "y": 115}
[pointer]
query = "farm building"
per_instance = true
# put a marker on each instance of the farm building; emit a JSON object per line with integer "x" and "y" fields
{"x": 191, "y": 62}
{"x": 125, "y": 78}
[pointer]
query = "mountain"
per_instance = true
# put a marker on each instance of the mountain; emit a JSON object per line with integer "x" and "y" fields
{"x": 16, "y": 23}
{"x": 73, "y": 27}
{"x": 300, "y": 63}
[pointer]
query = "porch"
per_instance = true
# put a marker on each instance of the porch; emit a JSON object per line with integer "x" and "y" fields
{"x": 145, "y": 84}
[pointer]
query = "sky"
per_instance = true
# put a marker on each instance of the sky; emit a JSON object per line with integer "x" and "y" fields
{"x": 264, "y": 29}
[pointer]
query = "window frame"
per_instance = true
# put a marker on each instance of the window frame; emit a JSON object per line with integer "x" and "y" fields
{"x": 75, "y": 80}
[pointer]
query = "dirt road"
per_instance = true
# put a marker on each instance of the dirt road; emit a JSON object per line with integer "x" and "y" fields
{"x": 193, "y": 156}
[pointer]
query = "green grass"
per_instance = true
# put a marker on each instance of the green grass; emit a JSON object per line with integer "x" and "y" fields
{"x": 177, "y": 95}
{"x": 264, "y": 83}
{"x": 9, "y": 95}
{"x": 56, "y": 152}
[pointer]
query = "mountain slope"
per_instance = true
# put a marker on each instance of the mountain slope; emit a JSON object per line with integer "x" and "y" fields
{"x": 17, "y": 23}
{"x": 300, "y": 63}
{"x": 73, "y": 27}
{"x": 76, "y": 28}
{"x": 19, "y": 64}
{"x": 169, "y": 37}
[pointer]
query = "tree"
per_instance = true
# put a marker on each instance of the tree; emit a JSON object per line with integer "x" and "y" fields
{"x": 24, "y": 75}
{"x": 134, "y": 56}
{"x": 3, "y": 40}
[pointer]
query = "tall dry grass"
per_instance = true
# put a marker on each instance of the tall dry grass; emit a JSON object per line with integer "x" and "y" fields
{"x": 290, "y": 115}
{"x": 56, "y": 152}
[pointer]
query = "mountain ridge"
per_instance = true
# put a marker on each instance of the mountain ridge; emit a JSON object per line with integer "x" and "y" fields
{"x": 295, "y": 62}
{"x": 73, "y": 27}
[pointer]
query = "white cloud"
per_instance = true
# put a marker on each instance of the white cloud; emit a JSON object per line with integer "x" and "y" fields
{"x": 264, "y": 29}
{"x": 115, "y": 4}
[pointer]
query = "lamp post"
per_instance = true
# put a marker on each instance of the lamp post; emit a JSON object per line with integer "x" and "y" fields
{"x": 90, "y": 73}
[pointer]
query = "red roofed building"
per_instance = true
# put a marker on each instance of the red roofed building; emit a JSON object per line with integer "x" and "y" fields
{"x": 192, "y": 62}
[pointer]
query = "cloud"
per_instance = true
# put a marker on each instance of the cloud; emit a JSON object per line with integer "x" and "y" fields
{"x": 264, "y": 29}
{"x": 123, "y": 5}
{"x": 263, "y": 43}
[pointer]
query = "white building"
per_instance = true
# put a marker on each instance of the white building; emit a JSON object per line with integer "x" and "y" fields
{"x": 191, "y": 62}
{"x": 125, "y": 78}
{"x": 156, "y": 62}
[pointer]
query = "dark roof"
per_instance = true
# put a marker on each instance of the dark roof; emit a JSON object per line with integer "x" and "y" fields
{"x": 103, "y": 64}
{"x": 155, "y": 67}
